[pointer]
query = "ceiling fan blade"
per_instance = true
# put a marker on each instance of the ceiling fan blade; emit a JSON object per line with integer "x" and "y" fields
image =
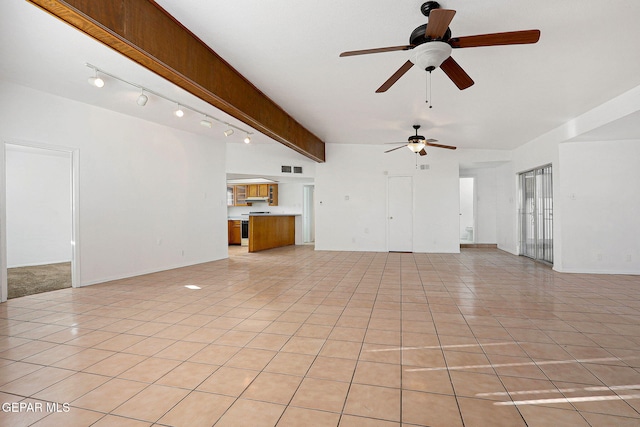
{"x": 394, "y": 149}
{"x": 439, "y": 20}
{"x": 377, "y": 50}
{"x": 450, "y": 147}
{"x": 430, "y": 140}
{"x": 456, "y": 73}
{"x": 395, "y": 77}
{"x": 422, "y": 152}
{"x": 496, "y": 39}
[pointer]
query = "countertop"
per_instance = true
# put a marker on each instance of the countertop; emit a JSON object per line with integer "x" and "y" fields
{"x": 276, "y": 214}
{"x": 246, "y": 216}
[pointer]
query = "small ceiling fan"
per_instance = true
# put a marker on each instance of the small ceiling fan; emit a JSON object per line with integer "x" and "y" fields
{"x": 417, "y": 143}
{"x": 432, "y": 45}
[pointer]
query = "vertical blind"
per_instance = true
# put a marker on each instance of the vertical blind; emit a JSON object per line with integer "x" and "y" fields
{"x": 536, "y": 214}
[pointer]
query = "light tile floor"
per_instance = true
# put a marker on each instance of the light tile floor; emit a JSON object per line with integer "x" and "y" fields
{"x": 297, "y": 337}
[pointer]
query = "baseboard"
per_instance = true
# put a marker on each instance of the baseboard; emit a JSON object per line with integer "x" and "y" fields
{"x": 479, "y": 245}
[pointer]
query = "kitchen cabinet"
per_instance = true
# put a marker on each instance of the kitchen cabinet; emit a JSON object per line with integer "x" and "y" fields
{"x": 235, "y": 232}
{"x": 272, "y": 193}
{"x": 271, "y": 231}
{"x": 258, "y": 190}
{"x": 237, "y": 194}
{"x": 240, "y": 195}
{"x": 230, "y": 198}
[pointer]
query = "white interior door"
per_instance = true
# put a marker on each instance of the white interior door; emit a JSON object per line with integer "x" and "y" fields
{"x": 400, "y": 213}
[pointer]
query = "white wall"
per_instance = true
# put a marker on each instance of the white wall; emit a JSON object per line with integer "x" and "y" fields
{"x": 600, "y": 192}
{"x": 151, "y": 197}
{"x": 265, "y": 160}
{"x": 351, "y": 198}
{"x": 38, "y": 206}
{"x": 507, "y": 209}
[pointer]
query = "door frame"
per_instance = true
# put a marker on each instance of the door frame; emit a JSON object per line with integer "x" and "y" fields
{"x": 388, "y": 225}
{"x": 74, "y": 155}
{"x": 475, "y": 203}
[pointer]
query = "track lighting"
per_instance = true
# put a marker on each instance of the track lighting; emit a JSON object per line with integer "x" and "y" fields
{"x": 95, "y": 80}
{"x": 206, "y": 122}
{"x": 142, "y": 99}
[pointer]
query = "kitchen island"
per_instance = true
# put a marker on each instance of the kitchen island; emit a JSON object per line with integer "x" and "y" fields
{"x": 268, "y": 231}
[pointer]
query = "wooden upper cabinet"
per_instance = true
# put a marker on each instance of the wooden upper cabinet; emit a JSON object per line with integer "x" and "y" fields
{"x": 240, "y": 194}
{"x": 258, "y": 190}
{"x": 230, "y": 197}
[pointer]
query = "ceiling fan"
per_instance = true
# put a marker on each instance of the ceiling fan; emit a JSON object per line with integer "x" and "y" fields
{"x": 432, "y": 44}
{"x": 417, "y": 143}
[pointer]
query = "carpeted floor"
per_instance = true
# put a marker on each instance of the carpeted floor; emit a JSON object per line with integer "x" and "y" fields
{"x": 36, "y": 279}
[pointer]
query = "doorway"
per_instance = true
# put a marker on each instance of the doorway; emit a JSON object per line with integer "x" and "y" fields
{"x": 39, "y": 226}
{"x": 467, "y": 210}
{"x": 536, "y": 214}
{"x": 400, "y": 213}
{"x": 308, "y": 214}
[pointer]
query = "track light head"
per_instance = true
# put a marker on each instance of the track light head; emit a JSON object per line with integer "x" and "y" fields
{"x": 142, "y": 99}
{"x": 247, "y": 139}
{"x": 179, "y": 112}
{"x": 95, "y": 80}
{"x": 228, "y": 132}
{"x": 206, "y": 122}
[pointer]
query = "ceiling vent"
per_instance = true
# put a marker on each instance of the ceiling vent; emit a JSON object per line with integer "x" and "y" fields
{"x": 285, "y": 169}
{"x": 297, "y": 169}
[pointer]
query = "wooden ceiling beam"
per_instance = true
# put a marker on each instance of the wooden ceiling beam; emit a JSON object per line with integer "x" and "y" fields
{"x": 145, "y": 33}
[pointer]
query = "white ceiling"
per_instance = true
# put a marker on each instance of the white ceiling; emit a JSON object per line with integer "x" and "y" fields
{"x": 587, "y": 55}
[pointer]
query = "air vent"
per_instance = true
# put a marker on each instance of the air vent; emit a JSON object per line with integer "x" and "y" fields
{"x": 285, "y": 169}
{"x": 297, "y": 169}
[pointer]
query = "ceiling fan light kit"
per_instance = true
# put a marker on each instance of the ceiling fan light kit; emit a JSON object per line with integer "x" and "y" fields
{"x": 417, "y": 143}
{"x": 416, "y": 146}
{"x": 429, "y": 56}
